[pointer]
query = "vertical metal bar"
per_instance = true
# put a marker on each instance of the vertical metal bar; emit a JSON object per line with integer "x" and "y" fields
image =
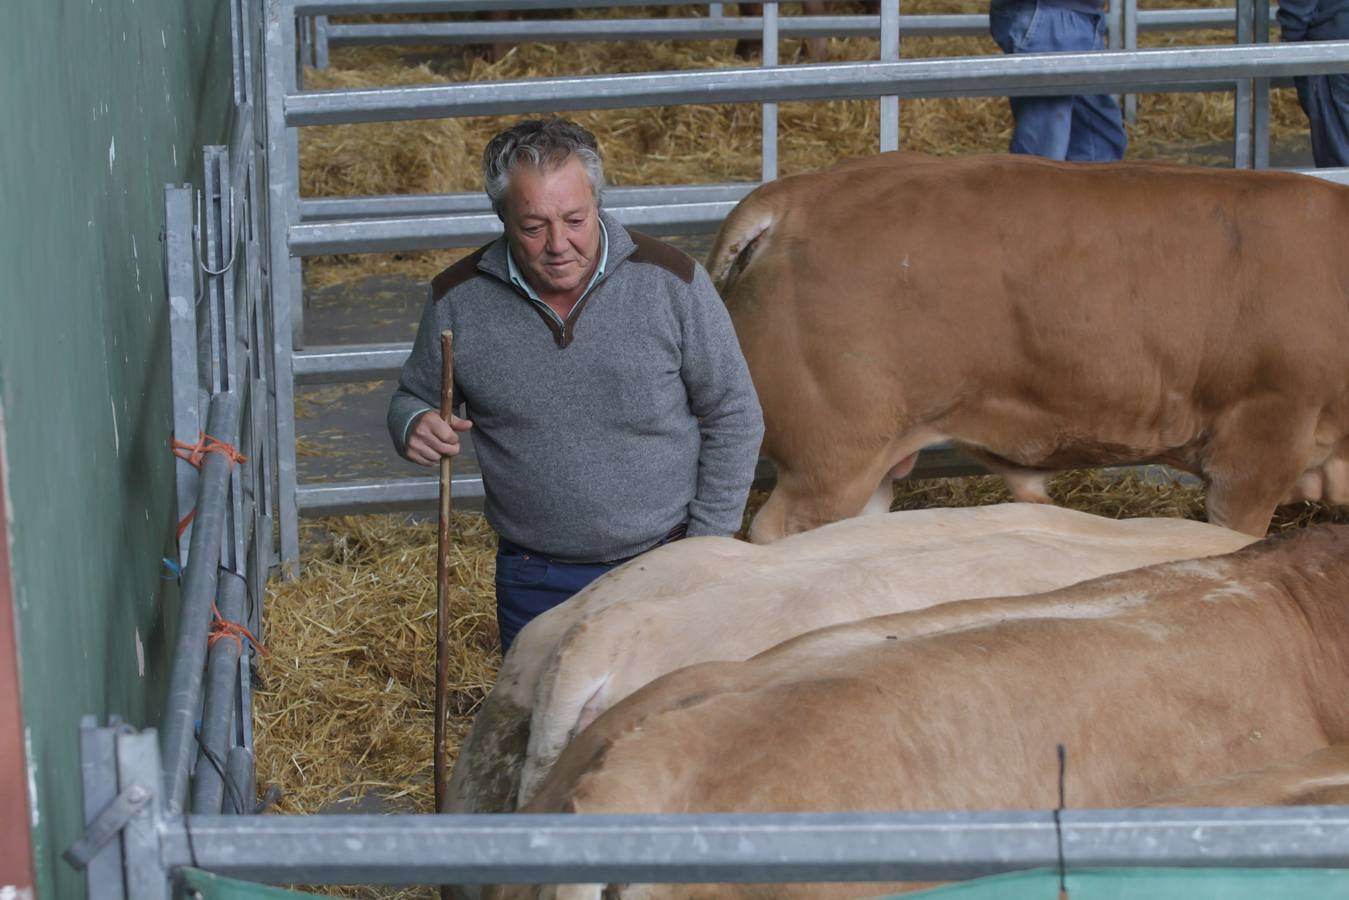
{"x": 770, "y": 110}
{"x": 98, "y": 773}
{"x": 237, "y": 64}
{"x": 198, "y": 592}
{"x": 320, "y": 42}
{"x": 306, "y": 24}
{"x": 1260, "y": 92}
{"x": 239, "y": 767}
{"x": 211, "y": 325}
{"x": 715, "y": 10}
{"x": 1114, "y": 24}
{"x": 247, "y": 95}
{"x": 138, "y": 764}
{"x": 889, "y": 53}
{"x": 181, "y": 290}
{"x": 1243, "y": 121}
{"x": 217, "y": 718}
{"x": 1131, "y": 43}
{"x": 282, "y": 210}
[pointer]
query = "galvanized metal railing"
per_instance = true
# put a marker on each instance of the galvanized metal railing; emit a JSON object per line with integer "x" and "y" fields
{"x": 354, "y": 225}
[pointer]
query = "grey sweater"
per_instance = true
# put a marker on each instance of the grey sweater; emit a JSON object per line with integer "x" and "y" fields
{"x": 598, "y": 436}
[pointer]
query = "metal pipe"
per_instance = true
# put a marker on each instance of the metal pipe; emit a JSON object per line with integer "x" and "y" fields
{"x": 890, "y": 24}
{"x": 350, "y": 362}
{"x": 390, "y": 495}
{"x": 282, "y": 212}
{"x": 934, "y": 846}
{"x": 198, "y": 592}
{"x": 217, "y": 716}
{"x": 319, "y": 209}
{"x": 1018, "y": 74}
{"x": 471, "y": 230}
{"x": 239, "y": 767}
{"x": 683, "y": 29}
{"x": 768, "y": 58}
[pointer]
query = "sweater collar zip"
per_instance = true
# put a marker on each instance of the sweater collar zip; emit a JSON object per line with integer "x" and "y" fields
{"x": 615, "y": 246}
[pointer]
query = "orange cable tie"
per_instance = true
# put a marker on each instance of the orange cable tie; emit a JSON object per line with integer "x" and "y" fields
{"x": 222, "y": 628}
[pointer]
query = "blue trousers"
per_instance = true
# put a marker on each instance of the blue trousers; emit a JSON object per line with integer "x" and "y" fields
{"x": 1088, "y": 127}
{"x": 529, "y": 584}
{"x": 1325, "y": 100}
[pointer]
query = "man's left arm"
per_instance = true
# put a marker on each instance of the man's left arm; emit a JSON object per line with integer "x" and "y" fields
{"x": 722, "y": 396}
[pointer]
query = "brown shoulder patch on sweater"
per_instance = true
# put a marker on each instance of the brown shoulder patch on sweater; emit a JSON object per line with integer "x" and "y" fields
{"x": 456, "y": 274}
{"x": 659, "y": 253}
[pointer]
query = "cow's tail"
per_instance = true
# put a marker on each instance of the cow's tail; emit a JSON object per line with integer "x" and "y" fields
{"x": 738, "y": 239}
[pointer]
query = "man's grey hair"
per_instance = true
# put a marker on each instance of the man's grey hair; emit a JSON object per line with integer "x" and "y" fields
{"x": 540, "y": 144}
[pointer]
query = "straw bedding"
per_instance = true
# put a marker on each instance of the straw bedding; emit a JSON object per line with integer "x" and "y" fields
{"x": 344, "y": 721}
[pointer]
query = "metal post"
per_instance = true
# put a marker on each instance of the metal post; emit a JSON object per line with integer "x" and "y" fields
{"x": 1131, "y": 43}
{"x": 138, "y": 769}
{"x": 320, "y": 42}
{"x": 220, "y": 256}
{"x": 1114, "y": 24}
{"x": 239, "y": 767}
{"x": 770, "y": 110}
{"x": 179, "y": 265}
{"x": 282, "y": 211}
{"x": 217, "y": 718}
{"x": 1260, "y": 92}
{"x": 183, "y": 702}
{"x": 889, "y": 53}
{"x": 1243, "y": 120}
{"x": 98, "y": 773}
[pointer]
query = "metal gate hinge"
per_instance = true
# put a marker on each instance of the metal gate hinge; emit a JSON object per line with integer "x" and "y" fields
{"x": 107, "y": 824}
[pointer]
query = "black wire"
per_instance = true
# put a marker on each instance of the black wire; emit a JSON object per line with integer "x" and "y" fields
{"x": 191, "y": 848}
{"x": 236, "y": 796}
{"x": 1058, "y": 824}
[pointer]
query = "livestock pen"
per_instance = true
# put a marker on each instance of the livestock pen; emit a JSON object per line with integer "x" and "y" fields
{"x": 239, "y": 353}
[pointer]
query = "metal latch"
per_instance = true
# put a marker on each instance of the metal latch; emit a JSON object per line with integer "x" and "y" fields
{"x": 107, "y": 824}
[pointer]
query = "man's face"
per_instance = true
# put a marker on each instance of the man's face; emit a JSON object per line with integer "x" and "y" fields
{"x": 553, "y": 226}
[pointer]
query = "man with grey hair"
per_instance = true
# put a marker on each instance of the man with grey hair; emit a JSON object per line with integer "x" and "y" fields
{"x": 611, "y": 408}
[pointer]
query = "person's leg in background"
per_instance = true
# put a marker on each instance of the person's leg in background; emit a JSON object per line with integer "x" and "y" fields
{"x": 1098, "y": 125}
{"x": 1042, "y": 124}
{"x": 1325, "y": 100}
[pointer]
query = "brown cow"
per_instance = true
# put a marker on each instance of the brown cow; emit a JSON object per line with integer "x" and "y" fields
{"x": 1043, "y": 315}
{"x": 710, "y": 599}
{"x": 1319, "y": 778}
{"x": 1154, "y": 679}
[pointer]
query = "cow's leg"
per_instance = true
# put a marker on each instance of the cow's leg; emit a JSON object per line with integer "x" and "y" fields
{"x": 747, "y": 47}
{"x": 817, "y": 48}
{"x": 1027, "y": 485}
{"x": 1258, "y": 451}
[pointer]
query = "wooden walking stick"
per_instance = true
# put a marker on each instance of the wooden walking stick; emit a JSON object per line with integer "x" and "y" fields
{"x": 443, "y": 574}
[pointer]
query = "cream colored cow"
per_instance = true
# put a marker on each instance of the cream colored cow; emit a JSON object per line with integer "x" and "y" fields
{"x": 707, "y": 599}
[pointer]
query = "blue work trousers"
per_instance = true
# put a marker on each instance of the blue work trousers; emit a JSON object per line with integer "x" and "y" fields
{"x": 1325, "y": 100}
{"x": 529, "y": 584}
{"x": 1087, "y": 127}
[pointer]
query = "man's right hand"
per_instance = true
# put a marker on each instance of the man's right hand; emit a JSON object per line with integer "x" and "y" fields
{"x": 431, "y": 438}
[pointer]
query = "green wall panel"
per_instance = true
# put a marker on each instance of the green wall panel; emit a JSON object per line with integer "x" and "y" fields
{"x": 103, "y": 103}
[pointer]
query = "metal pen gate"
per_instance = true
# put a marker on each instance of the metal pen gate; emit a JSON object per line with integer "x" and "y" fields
{"x": 156, "y": 802}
